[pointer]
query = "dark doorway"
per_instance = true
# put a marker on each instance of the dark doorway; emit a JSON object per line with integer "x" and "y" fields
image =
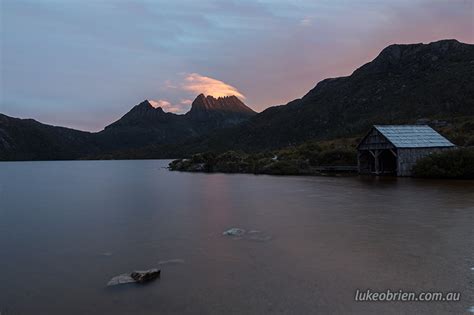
{"x": 366, "y": 162}
{"x": 387, "y": 163}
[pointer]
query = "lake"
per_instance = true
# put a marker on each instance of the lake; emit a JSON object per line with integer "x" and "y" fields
{"x": 68, "y": 227}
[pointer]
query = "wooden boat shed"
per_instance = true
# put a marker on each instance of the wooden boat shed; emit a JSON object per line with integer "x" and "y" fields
{"x": 395, "y": 149}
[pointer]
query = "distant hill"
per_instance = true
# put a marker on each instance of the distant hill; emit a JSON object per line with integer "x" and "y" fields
{"x": 402, "y": 84}
{"x": 27, "y": 139}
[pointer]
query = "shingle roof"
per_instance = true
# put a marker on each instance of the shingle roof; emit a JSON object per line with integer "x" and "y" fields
{"x": 413, "y": 136}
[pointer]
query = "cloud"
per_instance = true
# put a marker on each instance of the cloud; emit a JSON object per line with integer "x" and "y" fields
{"x": 159, "y": 103}
{"x": 180, "y": 108}
{"x": 273, "y": 50}
{"x": 196, "y": 83}
{"x": 180, "y": 93}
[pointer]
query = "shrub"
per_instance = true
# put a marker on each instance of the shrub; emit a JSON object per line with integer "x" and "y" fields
{"x": 449, "y": 164}
{"x": 338, "y": 157}
{"x": 469, "y": 142}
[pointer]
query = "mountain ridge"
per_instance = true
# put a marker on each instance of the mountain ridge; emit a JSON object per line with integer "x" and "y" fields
{"x": 403, "y": 83}
{"x": 146, "y": 125}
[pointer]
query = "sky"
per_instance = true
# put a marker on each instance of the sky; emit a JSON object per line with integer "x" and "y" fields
{"x": 84, "y": 63}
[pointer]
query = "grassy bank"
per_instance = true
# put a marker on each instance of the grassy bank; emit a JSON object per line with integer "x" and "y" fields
{"x": 306, "y": 159}
{"x": 313, "y": 157}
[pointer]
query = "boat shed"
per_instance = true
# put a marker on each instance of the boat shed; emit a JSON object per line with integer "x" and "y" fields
{"x": 395, "y": 149}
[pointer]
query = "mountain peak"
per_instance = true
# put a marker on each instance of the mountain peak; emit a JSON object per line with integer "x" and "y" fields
{"x": 222, "y": 110}
{"x": 145, "y": 106}
{"x": 141, "y": 114}
{"x": 396, "y": 57}
{"x": 145, "y": 103}
{"x": 223, "y": 103}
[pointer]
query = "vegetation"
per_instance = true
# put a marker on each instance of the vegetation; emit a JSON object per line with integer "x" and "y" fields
{"x": 459, "y": 130}
{"x": 450, "y": 164}
{"x": 308, "y": 158}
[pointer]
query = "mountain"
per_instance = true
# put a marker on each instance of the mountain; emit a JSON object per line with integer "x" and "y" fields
{"x": 402, "y": 84}
{"x": 27, "y": 139}
{"x": 208, "y": 113}
{"x": 144, "y": 115}
{"x": 143, "y": 125}
{"x": 227, "y": 109}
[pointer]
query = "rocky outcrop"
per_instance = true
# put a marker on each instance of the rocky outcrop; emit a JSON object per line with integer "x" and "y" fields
{"x": 209, "y": 113}
{"x": 228, "y": 104}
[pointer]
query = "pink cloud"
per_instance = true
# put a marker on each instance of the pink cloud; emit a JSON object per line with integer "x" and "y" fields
{"x": 196, "y": 83}
{"x": 167, "y": 106}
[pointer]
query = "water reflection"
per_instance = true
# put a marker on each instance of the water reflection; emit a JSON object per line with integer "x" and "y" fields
{"x": 68, "y": 227}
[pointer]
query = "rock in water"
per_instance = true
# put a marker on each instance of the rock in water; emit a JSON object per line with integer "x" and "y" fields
{"x": 145, "y": 276}
{"x": 139, "y": 276}
{"x": 234, "y": 232}
{"x": 251, "y": 235}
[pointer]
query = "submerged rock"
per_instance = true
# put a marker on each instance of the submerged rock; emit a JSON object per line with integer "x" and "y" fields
{"x": 252, "y": 235}
{"x": 171, "y": 261}
{"x": 121, "y": 279}
{"x": 138, "y": 276}
{"x": 234, "y": 232}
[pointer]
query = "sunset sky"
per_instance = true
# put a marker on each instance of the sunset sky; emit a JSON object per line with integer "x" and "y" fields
{"x": 84, "y": 63}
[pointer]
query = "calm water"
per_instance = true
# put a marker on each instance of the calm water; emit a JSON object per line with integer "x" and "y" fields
{"x": 66, "y": 228}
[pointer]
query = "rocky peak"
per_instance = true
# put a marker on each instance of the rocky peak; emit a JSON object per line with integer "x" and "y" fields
{"x": 225, "y": 104}
{"x": 218, "y": 112}
{"x": 146, "y": 106}
{"x": 142, "y": 114}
